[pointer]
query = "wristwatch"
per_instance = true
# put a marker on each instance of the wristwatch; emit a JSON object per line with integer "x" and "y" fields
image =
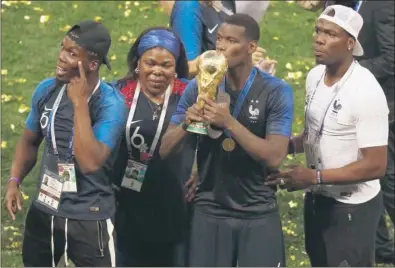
{"x": 319, "y": 177}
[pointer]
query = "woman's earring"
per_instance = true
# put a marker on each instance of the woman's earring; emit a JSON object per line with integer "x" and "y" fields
{"x": 175, "y": 75}
{"x": 137, "y": 70}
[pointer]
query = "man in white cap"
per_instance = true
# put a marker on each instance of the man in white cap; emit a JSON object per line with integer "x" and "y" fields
{"x": 377, "y": 40}
{"x": 345, "y": 141}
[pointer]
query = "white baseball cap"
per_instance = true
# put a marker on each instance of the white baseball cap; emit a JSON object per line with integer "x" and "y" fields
{"x": 348, "y": 19}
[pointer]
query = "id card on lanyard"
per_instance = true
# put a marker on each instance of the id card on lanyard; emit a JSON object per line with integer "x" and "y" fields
{"x": 312, "y": 137}
{"x": 228, "y": 144}
{"x": 134, "y": 175}
{"x": 52, "y": 185}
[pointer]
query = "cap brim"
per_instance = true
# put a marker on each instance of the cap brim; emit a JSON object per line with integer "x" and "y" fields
{"x": 107, "y": 62}
{"x": 358, "y": 50}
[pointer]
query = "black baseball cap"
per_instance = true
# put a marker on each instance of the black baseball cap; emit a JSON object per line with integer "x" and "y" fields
{"x": 94, "y": 37}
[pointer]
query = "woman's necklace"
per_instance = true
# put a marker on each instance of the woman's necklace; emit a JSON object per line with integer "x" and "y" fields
{"x": 155, "y": 107}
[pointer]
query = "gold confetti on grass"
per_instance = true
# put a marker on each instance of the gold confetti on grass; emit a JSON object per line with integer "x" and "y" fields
{"x": 292, "y": 204}
{"x": 20, "y": 80}
{"x": 44, "y": 18}
{"x": 25, "y": 196}
{"x": 6, "y": 98}
{"x": 15, "y": 245}
{"x": 123, "y": 38}
{"x": 10, "y": 228}
{"x": 3, "y": 144}
{"x": 294, "y": 75}
{"x": 65, "y": 28}
{"x": 23, "y": 108}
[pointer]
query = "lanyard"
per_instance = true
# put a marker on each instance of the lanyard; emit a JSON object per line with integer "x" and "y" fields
{"x": 358, "y": 5}
{"x": 221, "y": 7}
{"x": 244, "y": 92}
{"x": 51, "y": 126}
{"x": 161, "y": 119}
{"x": 335, "y": 93}
{"x": 356, "y": 8}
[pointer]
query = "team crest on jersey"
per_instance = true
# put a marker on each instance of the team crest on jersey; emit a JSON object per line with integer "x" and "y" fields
{"x": 254, "y": 112}
{"x": 336, "y": 107}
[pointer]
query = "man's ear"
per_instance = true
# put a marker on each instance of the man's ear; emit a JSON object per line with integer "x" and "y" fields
{"x": 253, "y": 45}
{"x": 94, "y": 65}
{"x": 350, "y": 43}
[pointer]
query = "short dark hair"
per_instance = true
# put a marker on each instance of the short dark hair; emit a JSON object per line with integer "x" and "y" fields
{"x": 182, "y": 69}
{"x": 250, "y": 25}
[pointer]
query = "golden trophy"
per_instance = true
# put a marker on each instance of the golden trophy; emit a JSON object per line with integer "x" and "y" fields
{"x": 212, "y": 67}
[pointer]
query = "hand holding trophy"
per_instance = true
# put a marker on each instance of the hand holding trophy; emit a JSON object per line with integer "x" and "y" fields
{"x": 212, "y": 67}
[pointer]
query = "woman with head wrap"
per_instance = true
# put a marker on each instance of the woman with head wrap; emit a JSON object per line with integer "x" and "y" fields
{"x": 152, "y": 215}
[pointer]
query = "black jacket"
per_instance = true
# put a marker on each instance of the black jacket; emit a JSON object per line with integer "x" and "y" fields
{"x": 377, "y": 40}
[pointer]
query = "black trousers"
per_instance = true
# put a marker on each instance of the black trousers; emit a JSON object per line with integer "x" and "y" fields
{"x": 89, "y": 243}
{"x": 135, "y": 252}
{"x": 235, "y": 242}
{"x": 134, "y": 249}
{"x": 384, "y": 244}
{"x": 339, "y": 234}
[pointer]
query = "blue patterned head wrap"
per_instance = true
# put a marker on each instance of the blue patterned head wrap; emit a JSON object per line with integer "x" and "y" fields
{"x": 159, "y": 38}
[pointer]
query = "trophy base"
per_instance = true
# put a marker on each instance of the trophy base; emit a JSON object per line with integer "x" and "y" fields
{"x": 198, "y": 128}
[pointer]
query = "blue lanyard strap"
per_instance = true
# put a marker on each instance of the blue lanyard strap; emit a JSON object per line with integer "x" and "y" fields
{"x": 240, "y": 100}
{"x": 358, "y": 5}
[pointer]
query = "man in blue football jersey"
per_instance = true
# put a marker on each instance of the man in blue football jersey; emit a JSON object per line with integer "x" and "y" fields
{"x": 235, "y": 214}
{"x": 81, "y": 120}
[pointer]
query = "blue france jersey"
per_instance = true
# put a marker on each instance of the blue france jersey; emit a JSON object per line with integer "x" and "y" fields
{"x": 94, "y": 199}
{"x": 232, "y": 184}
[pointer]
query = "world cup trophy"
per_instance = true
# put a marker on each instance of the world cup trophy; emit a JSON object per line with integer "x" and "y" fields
{"x": 212, "y": 67}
